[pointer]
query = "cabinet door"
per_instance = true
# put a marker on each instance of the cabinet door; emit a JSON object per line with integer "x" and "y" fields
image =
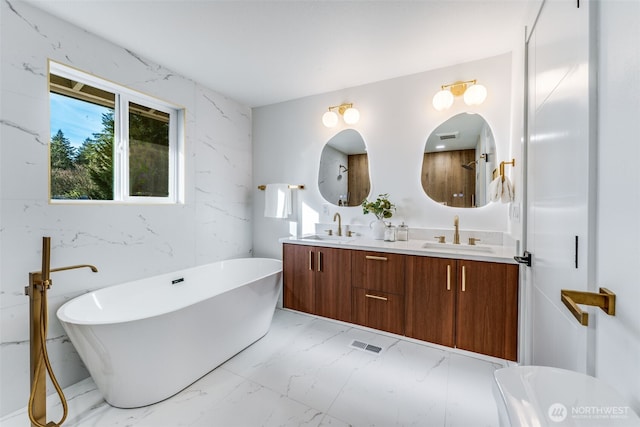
{"x": 333, "y": 283}
{"x": 487, "y": 308}
{"x": 378, "y": 271}
{"x": 378, "y": 310}
{"x": 430, "y": 298}
{"x": 298, "y": 274}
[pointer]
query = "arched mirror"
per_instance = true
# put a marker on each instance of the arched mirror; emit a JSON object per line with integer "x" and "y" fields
{"x": 343, "y": 177}
{"x": 459, "y": 158}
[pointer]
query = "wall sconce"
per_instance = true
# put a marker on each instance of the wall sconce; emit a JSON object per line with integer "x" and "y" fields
{"x": 349, "y": 114}
{"x": 474, "y": 94}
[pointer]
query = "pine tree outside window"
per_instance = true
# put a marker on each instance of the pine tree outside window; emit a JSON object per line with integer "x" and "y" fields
{"x": 109, "y": 143}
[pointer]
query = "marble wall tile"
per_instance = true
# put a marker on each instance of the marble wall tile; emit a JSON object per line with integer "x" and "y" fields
{"x": 125, "y": 242}
{"x": 23, "y": 152}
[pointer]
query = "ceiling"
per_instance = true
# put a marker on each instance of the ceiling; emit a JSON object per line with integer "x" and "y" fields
{"x": 460, "y": 132}
{"x": 265, "y": 52}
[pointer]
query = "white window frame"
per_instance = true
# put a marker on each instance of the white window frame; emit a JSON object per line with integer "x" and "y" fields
{"x": 123, "y": 96}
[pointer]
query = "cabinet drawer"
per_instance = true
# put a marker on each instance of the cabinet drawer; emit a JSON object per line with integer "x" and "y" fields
{"x": 378, "y": 271}
{"x": 378, "y": 310}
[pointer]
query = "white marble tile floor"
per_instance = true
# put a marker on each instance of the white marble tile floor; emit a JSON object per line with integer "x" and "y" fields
{"x": 305, "y": 372}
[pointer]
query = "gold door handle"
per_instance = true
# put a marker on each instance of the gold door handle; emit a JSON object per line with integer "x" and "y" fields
{"x": 604, "y": 298}
{"x": 319, "y": 261}
{"x": 376, "y": 258}
{"x": 464, "y": 279}
{"x": 311, "y": 260}
{"x": 448, "y": 277}
{"x": 376, "y": 297}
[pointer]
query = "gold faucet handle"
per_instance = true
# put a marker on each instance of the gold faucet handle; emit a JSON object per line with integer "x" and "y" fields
{"x": 329, "y": 232}
{"x": 349, "y": 233}
{"x": 441, "y": 239}
{"x": 473, "y": 240}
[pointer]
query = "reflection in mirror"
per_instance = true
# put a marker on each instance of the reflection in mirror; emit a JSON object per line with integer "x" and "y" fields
{"x": 458, "y": 161}
{"x": 343, "y": 177}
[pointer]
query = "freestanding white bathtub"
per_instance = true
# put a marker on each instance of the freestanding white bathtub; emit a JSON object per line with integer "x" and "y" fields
{"x": 146, "y": 340}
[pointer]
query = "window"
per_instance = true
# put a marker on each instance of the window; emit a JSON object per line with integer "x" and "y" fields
{"x": 111, "y": 143}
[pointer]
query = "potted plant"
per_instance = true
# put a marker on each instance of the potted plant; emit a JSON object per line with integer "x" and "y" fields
{"x": 382, "y": 208}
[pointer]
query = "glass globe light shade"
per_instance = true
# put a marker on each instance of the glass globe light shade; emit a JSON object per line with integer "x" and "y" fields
{"x": 351, "y": 116}
{"x": 475, "y": 95}
{"x": 443, "y": 100}
{"x": 330, "y": 119}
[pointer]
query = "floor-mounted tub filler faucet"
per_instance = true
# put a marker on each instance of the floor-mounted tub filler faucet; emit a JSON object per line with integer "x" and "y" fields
{"x": 39, "y": 283}
{"x": 337, "y": 215}
{"x": 456, "y": 231}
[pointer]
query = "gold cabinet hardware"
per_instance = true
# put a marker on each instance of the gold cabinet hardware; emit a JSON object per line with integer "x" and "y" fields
{"x": 604, "y": 298}
{"x": 464, "y": 279}
{"x": 448, "y": 277}
{"x": 319, "y": 261}
{"x": 311, "y": 260}
{"x": 376, "y": 258}
{"x": 376, "y": 297}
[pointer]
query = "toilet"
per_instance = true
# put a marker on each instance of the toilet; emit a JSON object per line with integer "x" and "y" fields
{"x": 541, "y": 396}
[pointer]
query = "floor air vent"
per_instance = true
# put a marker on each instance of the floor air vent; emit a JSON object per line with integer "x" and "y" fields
{"x": 366, "y": 347}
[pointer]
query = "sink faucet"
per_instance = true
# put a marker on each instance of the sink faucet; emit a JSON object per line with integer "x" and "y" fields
{"x": 337, "y": 215}
{"x": 456, "y": 232}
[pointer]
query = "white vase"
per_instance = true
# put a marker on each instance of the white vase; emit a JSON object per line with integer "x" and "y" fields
{"x": 378, "y": 227}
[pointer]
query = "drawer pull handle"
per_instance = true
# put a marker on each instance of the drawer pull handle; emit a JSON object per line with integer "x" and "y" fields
{"x": 464, "y": 279}
{"x": 319, "y": 261}
{"x": 376, "y": 258}
{"x": 310, "y": 260}
{"x": 376, "y": 297}
{"x": 448, "y": 277}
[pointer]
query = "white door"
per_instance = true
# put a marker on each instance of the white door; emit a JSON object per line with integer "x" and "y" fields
{"x": 560, "y": 180}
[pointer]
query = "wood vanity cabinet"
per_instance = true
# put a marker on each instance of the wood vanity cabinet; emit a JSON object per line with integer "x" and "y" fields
{"x": 487, "y": 308}
{"x": 317, "y": 280}
{"x": 378, "y": 281}
{"x": 431, "y": 299}
{"x": 471, "y": 305}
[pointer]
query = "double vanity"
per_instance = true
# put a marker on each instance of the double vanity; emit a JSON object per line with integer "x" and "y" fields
{"x": 461, "y": 296}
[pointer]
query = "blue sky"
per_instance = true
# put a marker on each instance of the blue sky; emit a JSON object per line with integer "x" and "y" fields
{"x": 77, "y": 119}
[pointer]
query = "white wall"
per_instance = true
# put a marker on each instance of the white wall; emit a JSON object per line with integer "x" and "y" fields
{"x": 124, "y": 241}
{"x": 396, "y": 117}
{"x": 618, "y": 238}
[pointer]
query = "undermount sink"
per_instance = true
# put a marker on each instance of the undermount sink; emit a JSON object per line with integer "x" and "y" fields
{"x": 327, "y": 238}
{"x": 452, "y": 247}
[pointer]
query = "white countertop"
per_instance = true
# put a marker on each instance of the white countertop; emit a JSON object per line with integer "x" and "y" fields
{"x": 489, "y": 253}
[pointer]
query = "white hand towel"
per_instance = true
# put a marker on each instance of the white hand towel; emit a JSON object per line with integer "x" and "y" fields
{"x": 277, "y": 201}
{"x": 507, "y": 191}
{"x": 495, "y": 189}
